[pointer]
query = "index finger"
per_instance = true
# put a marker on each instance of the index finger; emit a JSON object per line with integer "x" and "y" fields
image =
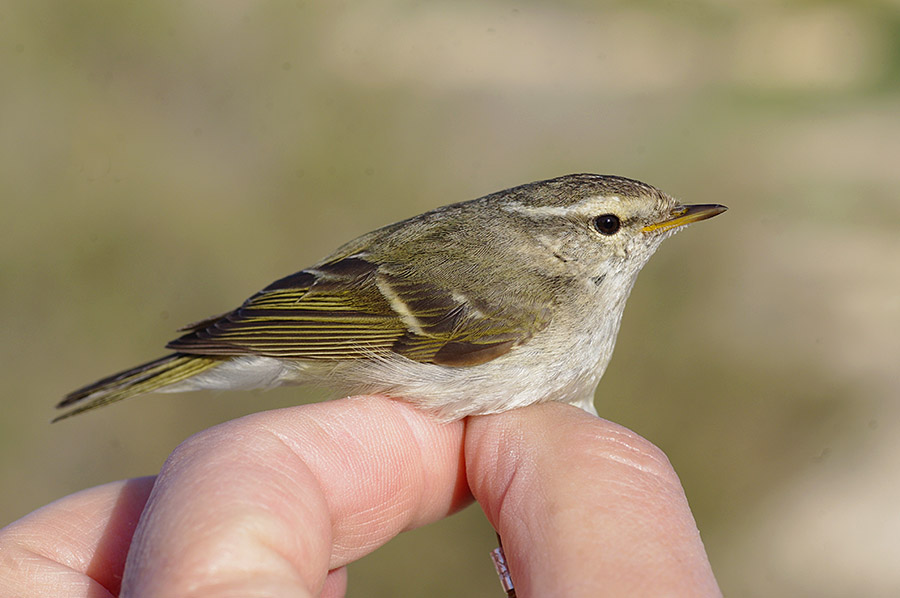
{"x": 585, "y": 507}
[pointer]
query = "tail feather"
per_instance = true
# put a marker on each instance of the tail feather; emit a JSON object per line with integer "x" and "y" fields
{"x": 148, "y": 377}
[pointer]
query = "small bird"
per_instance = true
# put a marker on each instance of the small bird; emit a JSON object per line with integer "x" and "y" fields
{"x": 472, "y": 308}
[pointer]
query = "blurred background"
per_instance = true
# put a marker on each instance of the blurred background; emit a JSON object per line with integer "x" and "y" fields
{"x": 161, "y": 161}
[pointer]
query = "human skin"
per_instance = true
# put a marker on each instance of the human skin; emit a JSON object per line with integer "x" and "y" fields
{"x": 278, "y": 503}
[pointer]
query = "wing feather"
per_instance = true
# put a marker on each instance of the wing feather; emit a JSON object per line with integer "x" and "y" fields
{"x": 353, "y": 309}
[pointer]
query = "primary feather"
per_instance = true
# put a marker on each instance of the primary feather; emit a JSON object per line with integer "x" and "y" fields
{"x": 149, "y": 377}
{"x": 353, "y": 309}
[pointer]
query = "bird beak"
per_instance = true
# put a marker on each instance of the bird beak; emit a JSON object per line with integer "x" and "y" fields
{"x": 686, "y": 215}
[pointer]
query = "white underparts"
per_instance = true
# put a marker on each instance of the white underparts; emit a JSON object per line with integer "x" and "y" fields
{"x": 244, "y": 372}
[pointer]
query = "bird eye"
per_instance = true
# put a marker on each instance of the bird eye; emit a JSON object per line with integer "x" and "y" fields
{"x": 607, "y": 224}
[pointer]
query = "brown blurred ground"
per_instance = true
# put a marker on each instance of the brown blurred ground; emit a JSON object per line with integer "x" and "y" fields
{"x": 161, "y": 161}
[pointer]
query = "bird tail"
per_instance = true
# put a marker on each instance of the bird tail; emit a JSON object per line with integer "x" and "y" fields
{"x": 149, "y": 377}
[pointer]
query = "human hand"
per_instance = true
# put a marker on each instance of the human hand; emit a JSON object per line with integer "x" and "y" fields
{"x": 277, "y": 503}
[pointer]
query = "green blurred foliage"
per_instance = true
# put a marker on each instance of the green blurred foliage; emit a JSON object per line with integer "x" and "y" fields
{"x": 162, "y": 161}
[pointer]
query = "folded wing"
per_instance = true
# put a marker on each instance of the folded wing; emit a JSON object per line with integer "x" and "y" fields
{"x": 352, "y": 308}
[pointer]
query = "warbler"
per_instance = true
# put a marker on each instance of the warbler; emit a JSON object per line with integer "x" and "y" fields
{"x": 472, "y": 308}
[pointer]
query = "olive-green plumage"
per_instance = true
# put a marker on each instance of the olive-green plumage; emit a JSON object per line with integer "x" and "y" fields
{"x": 142, "y": 379}
{"x": 455, "y": 290}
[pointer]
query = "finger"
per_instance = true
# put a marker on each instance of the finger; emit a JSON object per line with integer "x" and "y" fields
{"x": 276, "y": 500}
{"x": 584, "y": 506}
{"x": 75, "y": 546}
{"x": 335, "y": 585}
